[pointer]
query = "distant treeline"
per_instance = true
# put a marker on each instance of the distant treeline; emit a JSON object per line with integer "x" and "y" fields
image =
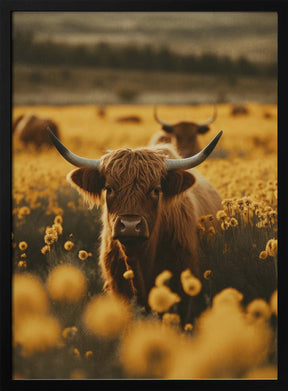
{"x": 102, "y": 55}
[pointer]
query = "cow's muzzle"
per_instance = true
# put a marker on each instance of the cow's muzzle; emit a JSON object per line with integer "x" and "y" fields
{"x": 130, "y": 229}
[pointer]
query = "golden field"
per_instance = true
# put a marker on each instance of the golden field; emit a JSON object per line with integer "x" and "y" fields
{"x": 64, "y": 328}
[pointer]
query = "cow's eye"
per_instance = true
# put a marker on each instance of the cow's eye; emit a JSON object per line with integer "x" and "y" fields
{"x": 155, "y": 192}
{"x": 109, "y": 190}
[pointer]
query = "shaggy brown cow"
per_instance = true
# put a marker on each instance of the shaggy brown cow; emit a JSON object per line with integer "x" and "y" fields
{"x": 151, "y": 205}
{"x": 184, "y": 135}
{"x": 32, "y": 129}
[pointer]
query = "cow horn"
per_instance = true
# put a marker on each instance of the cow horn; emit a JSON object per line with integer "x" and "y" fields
{"x": 210, "y": 120}
{"x": 167, "y": 127}
{"x": 76, "y": 160}
{"x": 195, "y": 160}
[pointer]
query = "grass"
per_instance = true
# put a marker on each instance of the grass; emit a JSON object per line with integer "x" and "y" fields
{"x": 230, "y": 339}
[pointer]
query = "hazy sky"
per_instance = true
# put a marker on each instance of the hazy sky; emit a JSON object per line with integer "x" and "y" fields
{"x": 253, "y": 34}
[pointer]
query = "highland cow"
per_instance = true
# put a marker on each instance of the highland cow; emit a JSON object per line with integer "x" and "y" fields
{"x": 151, "y": 205}
{"x": 32, "y": 129}
{"x": 184, "y": 135}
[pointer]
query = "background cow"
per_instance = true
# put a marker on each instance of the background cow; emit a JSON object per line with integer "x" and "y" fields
{"x": 239, "y": 109}
{"x": 30, "y": 128}
{"x": 149, "y": 216}
{"x": 184, "y": 135}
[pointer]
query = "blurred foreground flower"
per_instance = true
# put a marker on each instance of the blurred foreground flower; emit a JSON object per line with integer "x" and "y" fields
{"x": 66, "y": 283}
{"x": 28, "y": 296}
{"x": 226, "y": 343}
{"x": 37, "y": 333}
{"x": 148, "y": 350}
{"x": 107, "y": 316}
{"x": 191, "y": 285}
{"x": 161, "y": 298}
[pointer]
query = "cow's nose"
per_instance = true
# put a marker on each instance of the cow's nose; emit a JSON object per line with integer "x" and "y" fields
{"x": 131, "y": 226}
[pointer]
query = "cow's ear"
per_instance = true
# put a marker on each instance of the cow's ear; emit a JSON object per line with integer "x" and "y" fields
{"x": 203, "y": 129}
{"x": 175, "y": 182}
{"x": 88, "y": 182}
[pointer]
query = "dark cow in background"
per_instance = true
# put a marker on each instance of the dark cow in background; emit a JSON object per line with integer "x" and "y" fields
{"x": 30, "y": 128}
{"x": 134, "y": 119}
{"x": 184, "y": 135}
{"x": 239, "y": 109}
{"x": 151, "y": 205}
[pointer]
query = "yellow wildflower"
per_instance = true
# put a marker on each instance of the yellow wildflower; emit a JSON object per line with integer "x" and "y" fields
{"x": 23, "y": 246}
{"x": 58, "y": 228}
{"x": 58, "y": 219}
{"x": 271, "y": 247}
{"x": 68, "y": 245}
{"x": 37, "y": 333}
{"x": 170, "y": 319}
{"x": 28, "y": 295}
{"x": 221, "y": 215}
{"x": 163, "y": 277}
{"x": 88, "y": 354}
{"x": 128, "y": 275}
{"x": 107, "y": 315}
{"x": 69, "y": 332}
{"x": 161, "y": 298}
{"x": 49, "y": 239}
{"x": 191, "y": 285}
{"x": 149, "y": 349}
{"x": 188, "y": 327}
{"x": 208, "y": 274}
{"x": 45, "y": 249}
{"x": 22, "y": 264}
{"x": 258, "y": 309}
{"x": 225, "y": 225}
{"x": 263, "y": 255}
{"x": 82, "y": 255}
{"x": 66, "y": 283}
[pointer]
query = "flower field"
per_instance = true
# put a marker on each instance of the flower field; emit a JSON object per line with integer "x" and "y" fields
{"x": 64, "y": 327}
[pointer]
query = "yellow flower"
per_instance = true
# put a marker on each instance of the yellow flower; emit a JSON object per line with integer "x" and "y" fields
{"x": 22, "y": 264}
{"x": 233, "y": 222}
{"x": 68, "y": 245}
{"x": 128, "y": 275}
{"x": 148, "y": 350}
{"x": 225, "y": 225}
{"x": 188, "y": 327}
{"x": 88, "y": 354}
{"x": 107, "y": 316}
{"x": 66, "y": 283}
{"x": 170, "y": 319}
{"x": 208, "y": 274}
{"x": 58, "y": 219}
{"x": 23, "y": 246}
{"x": 76, "y": 352}
{"x": 28, "y": 296}
{"x": 163, "y": 277}
{"x": 263, "y": 255}
{"x": 228, "y": 296}
{"x": 258, "y": 309}
{"x": 58, "y": 228}
{"x": 271, "y": 247}
{"x": 82, "y": 255}
{"x": 49, "y": 239}
{"x": 37, "y": 333}
{"x": 45, "y": 249}
{"x": 191, "y": 285}
{"x": 69, "y": 332}
{"x": 161, "y": 298}
{"x": 221, "y": 215}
